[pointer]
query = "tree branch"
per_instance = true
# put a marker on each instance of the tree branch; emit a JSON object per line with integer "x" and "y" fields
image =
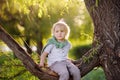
{"x": 89, "y": 60}
{"x": 24, "y": 56}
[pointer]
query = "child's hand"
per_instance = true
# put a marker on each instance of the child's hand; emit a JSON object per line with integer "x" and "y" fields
{"x": 41, "y": 65}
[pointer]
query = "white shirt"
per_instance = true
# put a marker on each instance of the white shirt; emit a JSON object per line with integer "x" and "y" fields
{"x": 56, "y": 54}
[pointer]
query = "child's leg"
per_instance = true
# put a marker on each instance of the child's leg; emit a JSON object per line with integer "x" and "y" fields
{"x": 74, "y": 71}
{"x": 61, "y": 69}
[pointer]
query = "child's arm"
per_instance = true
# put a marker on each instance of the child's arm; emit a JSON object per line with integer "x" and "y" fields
{"x": 42, "y": 59}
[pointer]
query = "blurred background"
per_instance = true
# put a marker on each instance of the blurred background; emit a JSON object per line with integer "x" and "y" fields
{"x": 29, "y": 22}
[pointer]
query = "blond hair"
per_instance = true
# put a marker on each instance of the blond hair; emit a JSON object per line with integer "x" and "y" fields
{"x": 61, "y": 22}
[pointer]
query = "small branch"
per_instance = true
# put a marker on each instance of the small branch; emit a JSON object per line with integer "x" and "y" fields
{"x": 92, "y": 60}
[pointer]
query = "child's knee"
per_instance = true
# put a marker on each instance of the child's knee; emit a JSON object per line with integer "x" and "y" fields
{"x": 75, "y": 71}
{"x": 64, "y": 75}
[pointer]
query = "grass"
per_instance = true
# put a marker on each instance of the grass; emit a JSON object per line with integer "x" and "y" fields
{"x": 95, "y": 74}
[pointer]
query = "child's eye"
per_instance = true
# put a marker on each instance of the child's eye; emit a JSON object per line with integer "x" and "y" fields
{"x": 56, "y": 31}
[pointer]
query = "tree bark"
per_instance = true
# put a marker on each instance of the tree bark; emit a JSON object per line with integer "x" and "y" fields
{"x": 106, "y": 18}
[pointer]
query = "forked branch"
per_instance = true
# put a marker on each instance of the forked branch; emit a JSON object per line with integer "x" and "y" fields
{"x": 85, "y": 64}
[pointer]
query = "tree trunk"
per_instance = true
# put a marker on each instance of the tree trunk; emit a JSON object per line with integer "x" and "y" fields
{"x": 106, "y": 18}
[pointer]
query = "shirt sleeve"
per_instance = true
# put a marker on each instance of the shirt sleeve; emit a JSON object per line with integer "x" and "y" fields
{"x": 48, "y": 48}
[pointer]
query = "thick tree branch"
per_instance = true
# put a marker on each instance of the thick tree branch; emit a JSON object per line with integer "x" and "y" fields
{"x": 24, "y": 56}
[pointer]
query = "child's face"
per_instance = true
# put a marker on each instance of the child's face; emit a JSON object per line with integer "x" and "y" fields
{"x": 60, "y": 33}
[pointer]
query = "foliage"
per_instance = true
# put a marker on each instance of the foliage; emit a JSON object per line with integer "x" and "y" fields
{"x": 35, "y": 17}
{"x": 12, "y": 69}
